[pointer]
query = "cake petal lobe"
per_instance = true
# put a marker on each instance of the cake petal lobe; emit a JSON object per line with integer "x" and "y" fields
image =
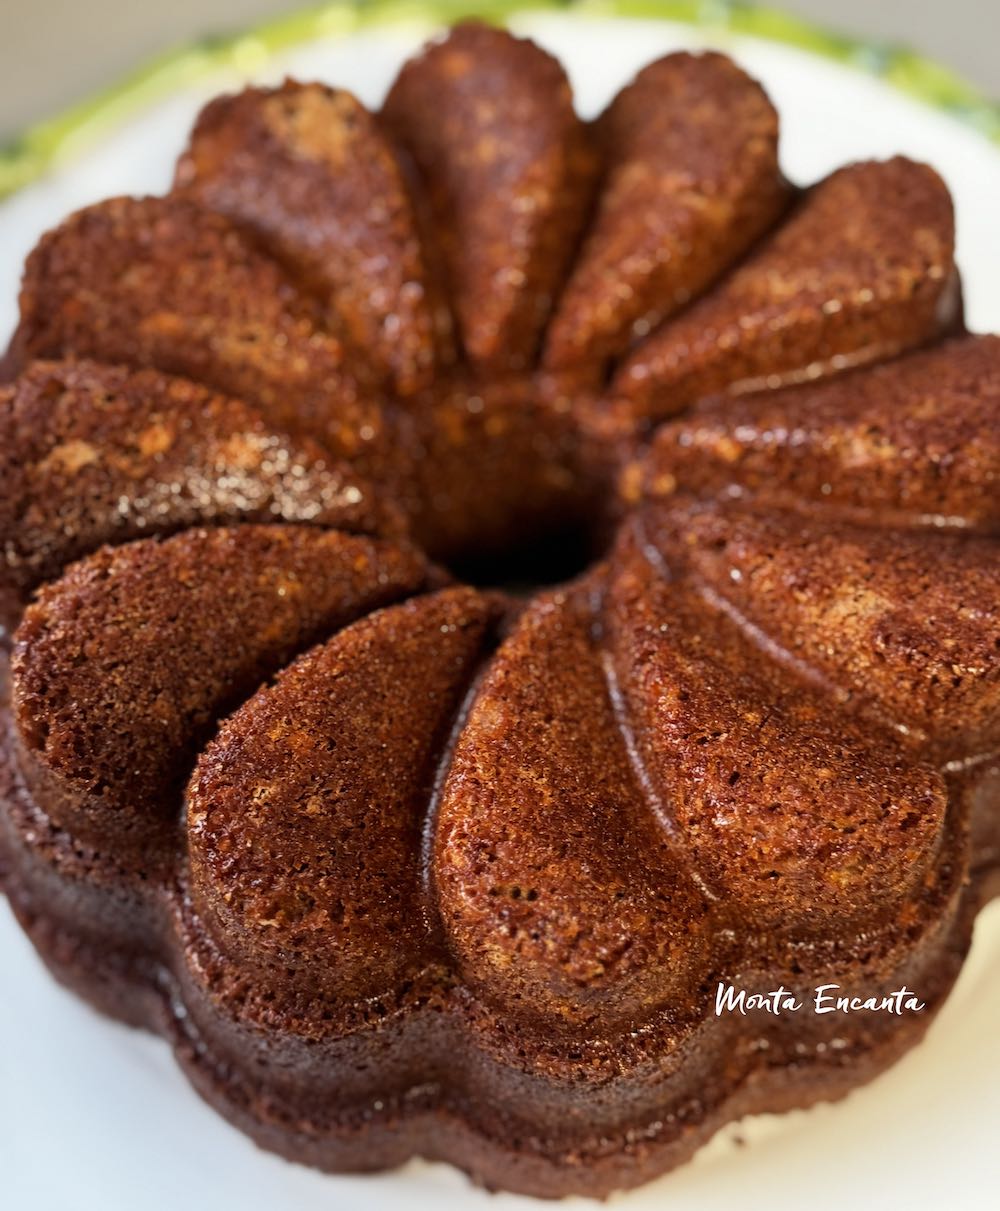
{"x": 162, "y": 282}
{"x": 123, "y": 667}
{"x": 561, "y": 895}
{"x": 915, "y": 442}
{"x": 306, "y": 814}
{"x": 803, "y": 821}
{"x": 504, "y": 164}
{"x": 93, "y": 454}
{"x": 908, "y": 622}
{"x": 690, "y": 180}
{"x": 863, "y": 269}
{"x": 308, "y": 169}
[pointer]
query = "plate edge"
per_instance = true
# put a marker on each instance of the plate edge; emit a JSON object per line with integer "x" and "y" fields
{"x": 29, "y": 156}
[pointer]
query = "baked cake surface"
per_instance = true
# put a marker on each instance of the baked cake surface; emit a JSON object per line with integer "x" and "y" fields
{"x": 402, "y": 865}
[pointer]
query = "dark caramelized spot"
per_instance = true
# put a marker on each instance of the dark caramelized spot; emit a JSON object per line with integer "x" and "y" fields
{"x": 504, "y": 164}
{"x": 305, "y": 815}
{"x": 691, "y": 179}
{"x": 308, "y": 170}
{"x": 863, "y": 269}
{"x": 91, "y": 454}
{"x": 123, "y": 667}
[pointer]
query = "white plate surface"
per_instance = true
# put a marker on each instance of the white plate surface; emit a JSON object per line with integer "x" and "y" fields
{"x": 94, "y": 1117}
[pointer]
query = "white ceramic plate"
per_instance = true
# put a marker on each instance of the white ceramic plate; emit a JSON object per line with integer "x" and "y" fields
{"x": 93, "y": 1116}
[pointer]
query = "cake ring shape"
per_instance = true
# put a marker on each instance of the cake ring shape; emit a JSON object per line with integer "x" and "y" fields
{"x": 405, "y": 866}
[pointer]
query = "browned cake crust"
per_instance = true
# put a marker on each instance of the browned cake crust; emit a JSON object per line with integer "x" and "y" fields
{"x": 163, "y": 282}
{"x": 862, "y": 269}
{"x": 913, "y": 442}
{"x": 404, "y": 867}
{"x": 93, "y": 454}
{"x": 299, "y": 165}
{"x": 506, "y": 169}
{"x": 691, "y": 179}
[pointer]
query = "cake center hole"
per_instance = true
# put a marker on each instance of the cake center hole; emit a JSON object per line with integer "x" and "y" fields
{"x": 537, "y": 563}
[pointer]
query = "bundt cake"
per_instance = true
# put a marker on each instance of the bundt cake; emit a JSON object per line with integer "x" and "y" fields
{"x": 405, "y": 858}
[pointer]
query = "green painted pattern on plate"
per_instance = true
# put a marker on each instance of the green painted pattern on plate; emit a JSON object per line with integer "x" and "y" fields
{"x": 27, "y": 157}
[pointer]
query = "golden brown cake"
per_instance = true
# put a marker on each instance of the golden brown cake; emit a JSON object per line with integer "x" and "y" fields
{"x": 402, "y": 861}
